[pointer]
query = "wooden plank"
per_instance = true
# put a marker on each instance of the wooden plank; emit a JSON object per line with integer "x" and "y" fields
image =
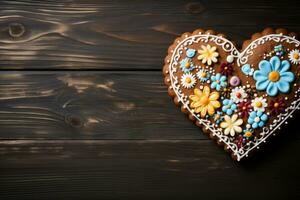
{"x": 99, "y": 105}
{"x": 91, "y": 105}
{"x": 122, "y": 34}
{"x": 145, "y": 169}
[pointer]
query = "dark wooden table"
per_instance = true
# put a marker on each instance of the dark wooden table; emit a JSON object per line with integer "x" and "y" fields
{"x": 84, "y": 113}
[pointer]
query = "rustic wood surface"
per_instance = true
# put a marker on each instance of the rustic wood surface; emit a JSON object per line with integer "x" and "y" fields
{"x": 84, "y": 113}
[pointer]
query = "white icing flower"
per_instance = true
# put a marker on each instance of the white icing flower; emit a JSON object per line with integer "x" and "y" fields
{"x": 231, "y": 125}
{"x": 188, "y": 80}
{"x": 294, "y": 56}
{"x": 238, "y": 94}
{"x": 208, "y": 54}
{"x": 259, "y": 104}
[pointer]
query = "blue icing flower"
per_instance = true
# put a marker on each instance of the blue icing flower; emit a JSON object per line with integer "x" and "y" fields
{"x": 218, "y": 81}
{"x": 190, "y": 53}
{"x": 257, "y": 119}
{"x": 218, "y": 117}
{"x": 247, "y": 70}
{"x": 229, "y": 107}
{"x": 279, "y": 50}
{"x": 186, "y": 65}
{"x": 203, "y": 75}
{"x": 273, "y": 76}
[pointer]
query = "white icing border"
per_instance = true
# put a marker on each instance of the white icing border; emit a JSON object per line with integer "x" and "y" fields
{"x": 242, "y": 58}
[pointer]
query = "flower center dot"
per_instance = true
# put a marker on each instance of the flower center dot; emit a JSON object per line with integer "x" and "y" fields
{"x": 187, "y": 65}
{"x": 274, "y": 76}
{"x": 204, "y": 100}
{"x": 248, "y": 134}
{"x": 258, "y": 104}
{"x": 238, "y": 95}
{"x": 188, "y": 80}
{"x": 296, "y": 56}
{"x": 209, "y": 54}
{"x": 256, "y": 119}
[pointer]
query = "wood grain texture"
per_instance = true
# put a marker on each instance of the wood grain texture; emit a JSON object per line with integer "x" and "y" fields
{"x": 99, "y": 105}
{"x": 92, "y": 169}
{"x": 122, "y": 34}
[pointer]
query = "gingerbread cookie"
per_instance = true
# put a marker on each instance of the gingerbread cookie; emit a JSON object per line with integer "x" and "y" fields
{"x": 239, "y": 98}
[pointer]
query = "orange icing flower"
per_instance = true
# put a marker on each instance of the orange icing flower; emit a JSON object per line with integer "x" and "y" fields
{"x": 204, "y": 102}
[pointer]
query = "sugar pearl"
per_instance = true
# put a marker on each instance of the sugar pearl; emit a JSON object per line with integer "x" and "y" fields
{"x": 230, "y": 59}
{"x": 234, "y": 81}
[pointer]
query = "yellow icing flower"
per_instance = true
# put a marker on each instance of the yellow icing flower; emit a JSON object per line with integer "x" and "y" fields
{"x": 231, "y": 125}
{"x": 204, "y": 101}
{"x": 208, "y": 54}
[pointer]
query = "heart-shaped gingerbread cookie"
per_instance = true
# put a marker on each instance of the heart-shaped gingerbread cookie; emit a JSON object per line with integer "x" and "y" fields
{"x": 239, "y": 98}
